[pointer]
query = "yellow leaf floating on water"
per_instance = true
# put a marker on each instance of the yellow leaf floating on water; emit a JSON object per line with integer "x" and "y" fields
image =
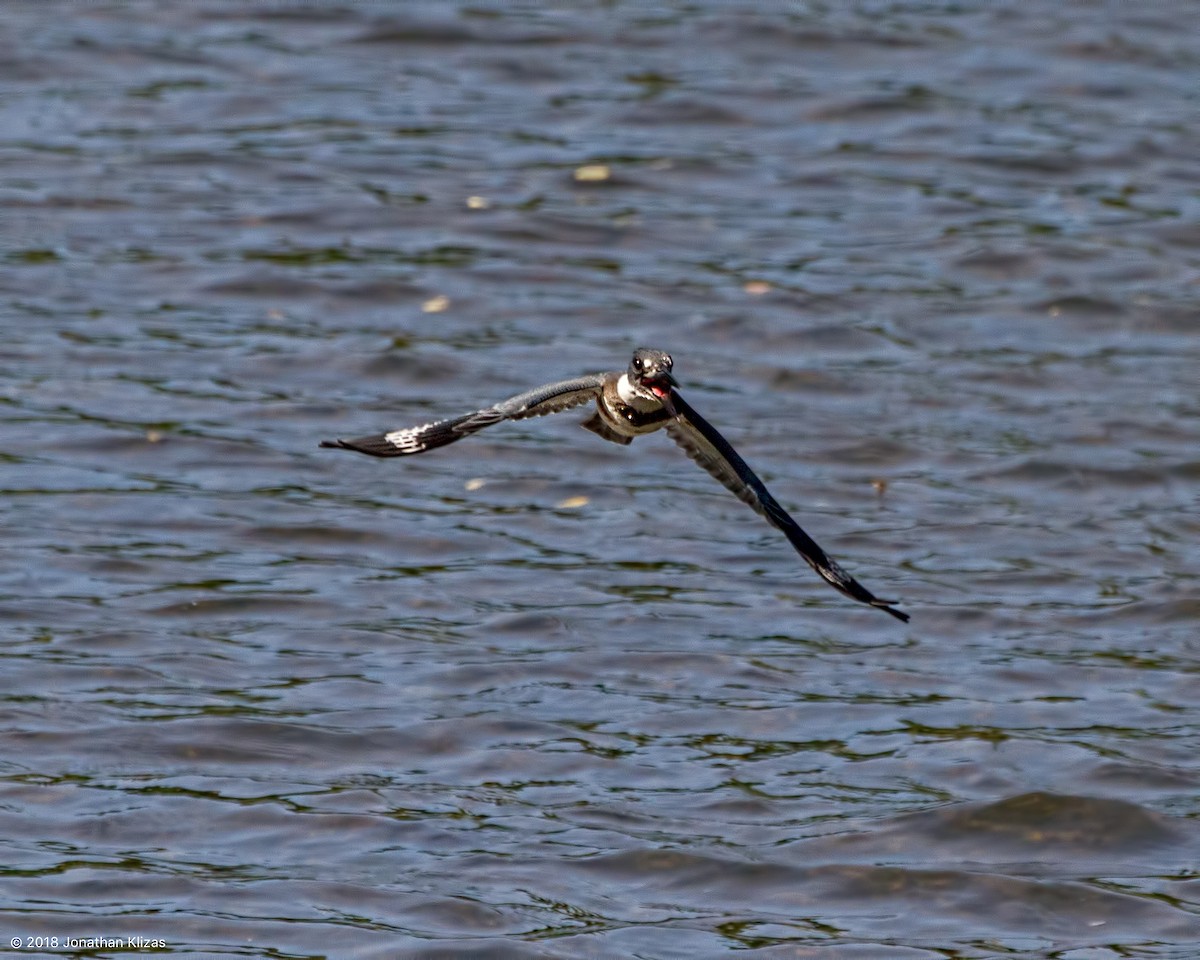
{"x": 436, "y": 304}
{"x": 475, "y": 483}
{"x": 478, "y": 203}
{"x": 572, "y": 503}
{"x": 592, "y": 173}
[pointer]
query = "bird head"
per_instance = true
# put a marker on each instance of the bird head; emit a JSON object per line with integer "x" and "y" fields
{"x": 649, "y": 374}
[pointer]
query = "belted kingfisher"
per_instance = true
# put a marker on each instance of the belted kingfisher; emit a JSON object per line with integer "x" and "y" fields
{"x": 639, "y": 400}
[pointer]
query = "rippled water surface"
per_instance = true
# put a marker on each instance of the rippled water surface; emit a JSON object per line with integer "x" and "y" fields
{"x": 932, "y": 267}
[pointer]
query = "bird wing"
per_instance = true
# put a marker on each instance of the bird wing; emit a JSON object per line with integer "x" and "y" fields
{"x": 551, "y": 398}
{"x": 704, "y": 444}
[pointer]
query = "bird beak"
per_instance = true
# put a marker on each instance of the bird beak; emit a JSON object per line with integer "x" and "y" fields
{"x": 660, "y": 385}
{"x": 665, "y": 399}
{"x": 667, "y": 378}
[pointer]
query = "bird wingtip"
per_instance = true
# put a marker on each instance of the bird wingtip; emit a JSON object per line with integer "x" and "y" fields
{"x": 886, "y": 607}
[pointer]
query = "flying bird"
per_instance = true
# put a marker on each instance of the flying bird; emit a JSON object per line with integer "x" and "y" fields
{"x": 630, "y": 403}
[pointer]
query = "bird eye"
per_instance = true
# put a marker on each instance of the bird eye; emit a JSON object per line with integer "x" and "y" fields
{"x": 637, "y": 362}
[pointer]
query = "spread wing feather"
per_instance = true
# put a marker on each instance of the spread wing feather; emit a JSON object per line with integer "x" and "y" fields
{"x": 704, "y": 444}
{"x": 551, "y": 398}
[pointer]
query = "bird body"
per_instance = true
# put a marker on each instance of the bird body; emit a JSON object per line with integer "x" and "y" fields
{"x": 621, "y": 414}
{"x": 630, "y": 403}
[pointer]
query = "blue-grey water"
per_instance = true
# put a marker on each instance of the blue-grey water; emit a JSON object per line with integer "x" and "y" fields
{"x": 933, "y": 268}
